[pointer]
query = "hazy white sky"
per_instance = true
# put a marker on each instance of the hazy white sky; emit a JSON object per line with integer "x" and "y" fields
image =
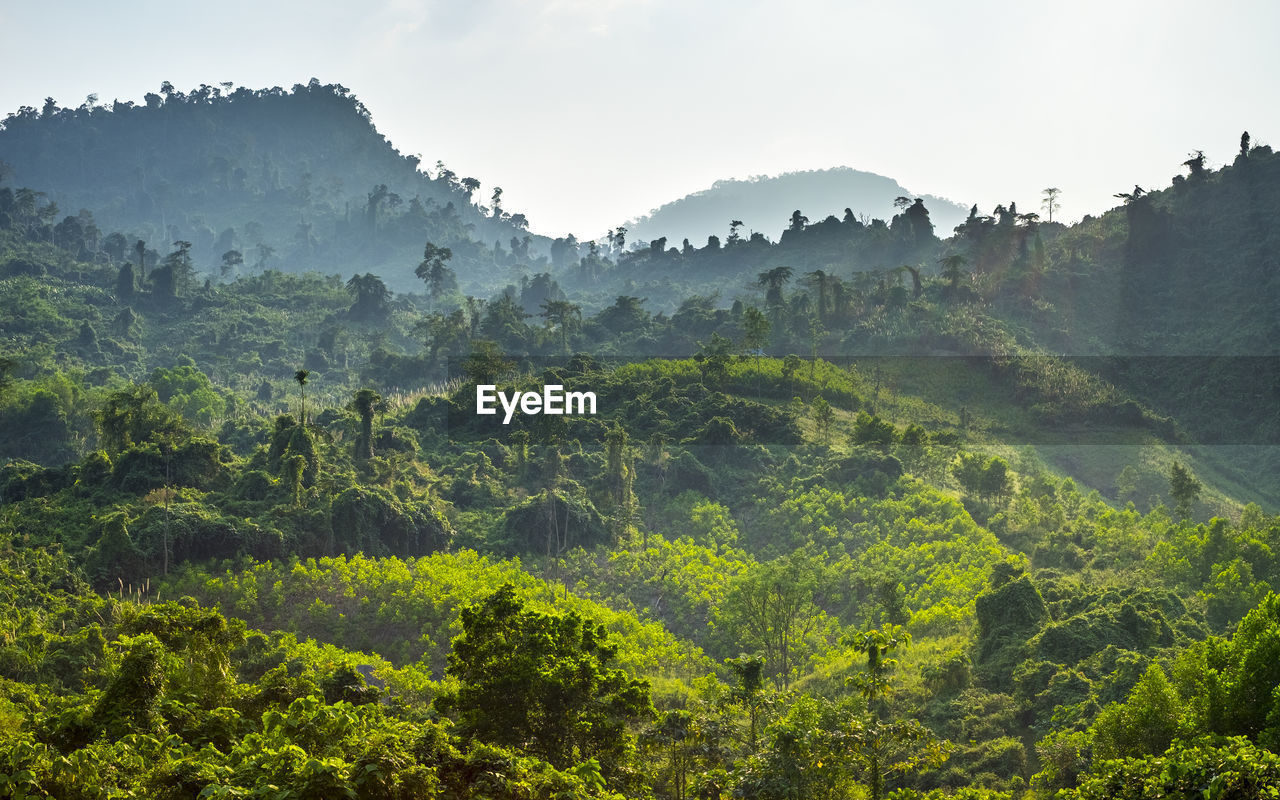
{"x": 589, "y": 112}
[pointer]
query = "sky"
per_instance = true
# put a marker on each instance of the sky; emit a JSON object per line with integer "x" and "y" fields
{"x": 592, "y": 112}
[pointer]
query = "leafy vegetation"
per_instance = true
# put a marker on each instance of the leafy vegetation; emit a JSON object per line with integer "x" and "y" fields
{"x": 830, "y": 534}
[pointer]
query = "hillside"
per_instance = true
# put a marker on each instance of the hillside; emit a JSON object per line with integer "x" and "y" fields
{"x": 864, "y": 512}
{"x": 293, "y": 180}
{"x": 765, "y": 204}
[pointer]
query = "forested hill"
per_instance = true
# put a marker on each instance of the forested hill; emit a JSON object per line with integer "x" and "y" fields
{"x": 293, "y": 180}
{"x": 1190, "y": 269}
{"x": 764, "y": 203}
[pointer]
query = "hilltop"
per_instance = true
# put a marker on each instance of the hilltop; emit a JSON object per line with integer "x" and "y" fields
{"x": 293, "y": 180}
{"x": 764, "y": 204}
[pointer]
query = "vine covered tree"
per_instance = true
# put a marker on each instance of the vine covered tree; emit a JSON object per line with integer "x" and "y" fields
{"x": 366, "y": 403}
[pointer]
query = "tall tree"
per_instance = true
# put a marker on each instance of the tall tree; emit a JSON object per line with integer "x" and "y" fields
{"x": 773, "y": 281}
{"x": 771, "y": 608}
{"x": 564, "y": 316}
{"x": 820, "y": 281}
{"x": 1050, "y": 203}
{"x": 301, "y": 378}
{"x": 755, "y": 335}
{"x": 140, "y": 250}
{"x": 440, "y": 279}
{"x": 885, "y": 746}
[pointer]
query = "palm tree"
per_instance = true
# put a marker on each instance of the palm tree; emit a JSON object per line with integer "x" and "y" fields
{"x": 301, "y": 377}
{"x": 1051, "y": 203}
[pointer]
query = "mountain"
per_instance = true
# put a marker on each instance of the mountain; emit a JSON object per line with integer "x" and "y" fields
{"x": 294, "y": 180}
{"x": 765, "y": 204}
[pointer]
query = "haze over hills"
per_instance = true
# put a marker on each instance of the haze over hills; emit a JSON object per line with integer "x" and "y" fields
{"x": 302, "y": 180}
{"x": 293, "y": 180}
{"x": 765, "y": 204}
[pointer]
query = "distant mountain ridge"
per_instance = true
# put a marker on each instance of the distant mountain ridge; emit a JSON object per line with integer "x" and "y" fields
{"x": 765, "y": 204}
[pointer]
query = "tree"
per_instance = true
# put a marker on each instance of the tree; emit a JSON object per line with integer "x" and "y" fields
{"x": 987, "y": 478}
{"x": 180, "y": 267}
{"x": 496, "y": 202}
{"x": 771, "y": 608}
{"x": 440, "y": 279}
{"x": 301, "y": 377}
{"x": 1130, "y": 197}
{"x": 1195, "y": 163}
{"x": 1050, "y": 203}
{"x": 1144, "y": 725}
{"x": 6, "y": 376}
{"x": 620, "y": 478}
{"x": 871, "y": 431}
{"x": 231, "y": 261}
{"x": 140, "y": 250}
{"x": 713, "y": 360}
{"x": 444, "y": 332}
{"x": 820, "y": 281}
{"x": 563, "y": 315}
{"x": 773, "y": 281}
{"x": 1183, "y": 488}
{"x": 366, "y": 403}
{"x": 884, "y": 746}
{"x": 125, "y": 282}
{"x": 134, "y": 415}
{"x": 543, "y": 683}
{"x": 372, "y": 298}
{"x": 749, "y": 672}
{"x": 755, "y": 335}
{"x": 917, "y": 285}
{"x": 823, "y": 417}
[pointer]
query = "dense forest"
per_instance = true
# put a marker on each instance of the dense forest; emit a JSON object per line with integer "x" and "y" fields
{"x": 873, "y": 510}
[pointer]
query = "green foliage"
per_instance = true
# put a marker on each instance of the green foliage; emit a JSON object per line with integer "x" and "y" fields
{"x": 1183, "y": 488}
{"x": 1235, "y": 769}
{"x": 1144, "y": 725}
{"x": 543, "y": 682}
{"x": 408, "y": 610}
